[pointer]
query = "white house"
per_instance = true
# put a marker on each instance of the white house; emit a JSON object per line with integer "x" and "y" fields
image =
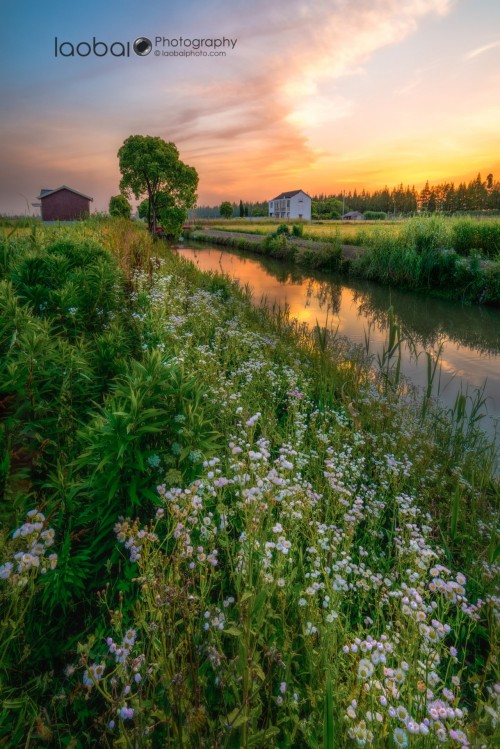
{"x": 294, "y": 204}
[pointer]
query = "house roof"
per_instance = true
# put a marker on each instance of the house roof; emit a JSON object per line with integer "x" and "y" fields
{"x": 45, "y": 192}
{"x": 352, "y": 213}
{"x": 289, "y": 194}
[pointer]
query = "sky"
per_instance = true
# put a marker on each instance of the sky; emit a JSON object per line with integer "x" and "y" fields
{"x": 322, "y": 96}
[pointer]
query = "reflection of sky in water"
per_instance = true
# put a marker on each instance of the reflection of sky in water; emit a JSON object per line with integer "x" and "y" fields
{"x": 313, "y": 301}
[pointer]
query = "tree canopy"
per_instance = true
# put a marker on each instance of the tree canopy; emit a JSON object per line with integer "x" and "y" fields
{"x": 151, "y": 167}
{"x": 226, "y": 209}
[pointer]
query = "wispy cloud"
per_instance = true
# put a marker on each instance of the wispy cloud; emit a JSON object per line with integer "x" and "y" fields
{"x": 261, "y": 120}
{"x": 480, "y": 50}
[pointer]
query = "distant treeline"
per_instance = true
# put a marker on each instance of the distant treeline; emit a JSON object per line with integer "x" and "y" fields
{"x": 241, "y": 209}
{"x": 475, "y": 196}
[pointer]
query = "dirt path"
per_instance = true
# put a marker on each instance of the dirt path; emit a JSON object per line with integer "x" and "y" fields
{"x": 349, "y": 251}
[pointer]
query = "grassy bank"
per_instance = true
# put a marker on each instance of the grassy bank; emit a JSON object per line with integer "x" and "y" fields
{"x": 454, "y": 258}
{"x": 248, "y": 536}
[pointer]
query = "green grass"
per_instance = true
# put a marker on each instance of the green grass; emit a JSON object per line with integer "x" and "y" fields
{"x": 262, "y": 540}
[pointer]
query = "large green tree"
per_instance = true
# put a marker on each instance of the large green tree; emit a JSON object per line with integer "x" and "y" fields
{"x": 119, "y": 206}
{"x": 226, "y": 209}
{"x": 151, "y": 167}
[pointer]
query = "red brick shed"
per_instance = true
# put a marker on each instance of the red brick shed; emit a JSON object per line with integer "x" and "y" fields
{"x": 64, "y": 204}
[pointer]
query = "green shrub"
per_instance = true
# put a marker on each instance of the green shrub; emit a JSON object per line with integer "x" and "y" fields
{"x": 473, "y": 234}
{"x": 375, "y": 215}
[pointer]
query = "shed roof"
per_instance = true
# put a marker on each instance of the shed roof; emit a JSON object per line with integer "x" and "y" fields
{"x": 289, "y": 194}
{"x": 45, "y": 192}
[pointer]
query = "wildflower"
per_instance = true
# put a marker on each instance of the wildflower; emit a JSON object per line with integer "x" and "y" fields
{"x": 399, "y": 675}
{"x": 402, "y": 713}
{"x": 130, "y": 636}
{"x": 97, "y": 670}
{"x": 126, "y": 713}
{"x": 400, "y": 737}
{"x": 283, "y": 687}
{"x": 93, "y": 674}
{"x": 6, "y": 570}
{"x": 253, "y": 420}
{"x": 365, "y": 669}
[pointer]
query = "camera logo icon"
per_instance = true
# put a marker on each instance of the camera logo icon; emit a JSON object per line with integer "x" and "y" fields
{"x": 142, "y": 46}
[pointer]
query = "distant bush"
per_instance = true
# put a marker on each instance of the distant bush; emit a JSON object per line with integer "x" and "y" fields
{"x": 119, "y": 206}
{"x": 298, "y": 230}
{"x": 375, "y": 215}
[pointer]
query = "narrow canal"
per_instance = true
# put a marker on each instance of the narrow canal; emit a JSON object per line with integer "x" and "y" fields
{"x": 468, "y": 337}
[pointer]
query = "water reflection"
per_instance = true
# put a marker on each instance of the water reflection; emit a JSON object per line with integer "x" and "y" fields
{"x": 470, "y": 336}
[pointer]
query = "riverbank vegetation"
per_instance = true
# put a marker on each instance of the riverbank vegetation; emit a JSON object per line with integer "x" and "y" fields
{"x": 456, "y": 258}
{"x": 231, "y": 531}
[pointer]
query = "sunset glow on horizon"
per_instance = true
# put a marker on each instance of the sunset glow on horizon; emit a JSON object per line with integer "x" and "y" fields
{"x": 324, "y": 97}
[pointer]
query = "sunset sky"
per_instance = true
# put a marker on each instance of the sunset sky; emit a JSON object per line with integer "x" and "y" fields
{"x": 323, "y": 96}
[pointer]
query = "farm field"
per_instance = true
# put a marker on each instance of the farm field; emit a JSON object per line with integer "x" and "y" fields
{"x": 357, "y": 232}
{"x": 223, "y": 529}
{"x": 348, "y": 231}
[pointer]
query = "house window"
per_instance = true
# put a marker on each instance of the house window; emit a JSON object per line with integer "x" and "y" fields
{"x": 300, "y": 215}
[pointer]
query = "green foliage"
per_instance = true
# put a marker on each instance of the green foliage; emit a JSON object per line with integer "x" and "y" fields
{"x": 329, "y": 257}
{"x": 326, "y": 208}
{"x": 171, "y": 217}
{"x": 283, "y": 499}
{"x": 470, "y": 234}
{"x": 150, "y": 166}
{"x": 119, "y": 206}
{"x": 226, "y": 209}
{"x": 282, "y": 229}
{"x": 375, "y": 215}
{"x": 298, "y": 230}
